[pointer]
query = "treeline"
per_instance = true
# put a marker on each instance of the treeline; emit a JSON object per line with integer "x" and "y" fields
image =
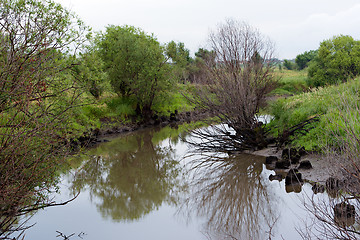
{"x": 335, "y": 61}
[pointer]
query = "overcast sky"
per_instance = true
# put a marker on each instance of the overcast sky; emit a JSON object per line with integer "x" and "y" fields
{"x": 294, "y": 25}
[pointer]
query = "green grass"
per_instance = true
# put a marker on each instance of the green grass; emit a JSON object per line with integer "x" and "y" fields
{"x": 335, "y": 105}
{"x": 291, "y": 82}
{"x": 173, "y": 100}
{"x": 122, "y": 109}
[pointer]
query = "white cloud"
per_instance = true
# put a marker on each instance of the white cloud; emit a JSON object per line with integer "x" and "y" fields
{"x": 305, "y": 35}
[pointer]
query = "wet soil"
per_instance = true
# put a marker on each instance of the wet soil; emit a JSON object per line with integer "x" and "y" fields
{"x": 322, "y": 167}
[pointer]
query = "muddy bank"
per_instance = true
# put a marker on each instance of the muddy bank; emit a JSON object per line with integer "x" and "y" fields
{"x": 322, "y": 167}
{"x": 111, "y": 128}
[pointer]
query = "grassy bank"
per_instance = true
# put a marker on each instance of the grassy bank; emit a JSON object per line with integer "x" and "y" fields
{"x": 290, "y": 82}
{"x": 111, "y": 110}
{"x": 336, "y": 106}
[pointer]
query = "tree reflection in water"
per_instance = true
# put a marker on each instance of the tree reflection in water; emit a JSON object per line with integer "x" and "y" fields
{"x": 130, "y": 176}
{"x": 231, "y": 194}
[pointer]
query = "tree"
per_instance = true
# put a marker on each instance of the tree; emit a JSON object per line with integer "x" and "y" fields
{"x": 289, "y": 65}
{"x": 135, "y": 64}
{"x": 178, "y": 53}
{"x": 90, "y": 71}
{"x": 197, "y": 66}
{"x": 180, "y": 60}
{"x": 338, "y": 60}
{"x": 302, "y": 60}
{"x": 37, "y": 42}
{"x": 235, "y": 84}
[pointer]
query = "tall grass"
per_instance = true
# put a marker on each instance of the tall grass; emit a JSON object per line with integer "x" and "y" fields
{"x": 323, "y": 102}
{"x": 290, "y": 82}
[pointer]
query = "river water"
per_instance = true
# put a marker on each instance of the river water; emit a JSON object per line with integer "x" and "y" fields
{"x": 146, "y": 185}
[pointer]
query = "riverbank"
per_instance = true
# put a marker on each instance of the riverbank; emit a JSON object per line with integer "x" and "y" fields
{"x": 323, "y": 167}
{"x": 111, "y": 128}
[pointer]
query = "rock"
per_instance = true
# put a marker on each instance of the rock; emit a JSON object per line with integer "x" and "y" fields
{"x": 332, "y": 186}
{"x": 293, "y": 176}
{"x": 275, "y": 177}
{"x": 271, "y": 159}
{"x": 344, "y": 214}
{"x": 283, "y": 164}
{"x": 295, "y": 159}
{"x": 290, "y": 154}
{"x": 295, "y": 187}
{"x": 285, "y": 154}
{"x": 318, "y": 188}
{"x": 306, "y": 164}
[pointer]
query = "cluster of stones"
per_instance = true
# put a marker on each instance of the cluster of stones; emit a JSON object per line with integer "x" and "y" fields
{"x": 290, "y": 159}
{"x": 344, "y": 213}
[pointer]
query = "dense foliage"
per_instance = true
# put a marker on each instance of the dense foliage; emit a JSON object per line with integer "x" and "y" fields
{"x": 135, "y": 64}
{"x": 338, "y": 60}
{"x": 38, "y": 40}
{"x": 302, "y": 60}
{"x": 289, "y": 65}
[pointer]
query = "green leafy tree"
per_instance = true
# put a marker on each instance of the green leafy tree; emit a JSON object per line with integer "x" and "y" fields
{"x": 302, "y": 60}
{"x": 198, "y": 65}
{"x": 90, "y": 71}
{"x": 180, "y": 60}
{"x": 38, "y": 41}
{"x": 289, "y": 65}
{"x": 338, "y": 60}
{"x": 135, "y": 63}
{"x": 178, "y": 53}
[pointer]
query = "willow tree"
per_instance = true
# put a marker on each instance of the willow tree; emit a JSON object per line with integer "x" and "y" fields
{"x": 37, "y": 39}
{"x": 237, "y": 79}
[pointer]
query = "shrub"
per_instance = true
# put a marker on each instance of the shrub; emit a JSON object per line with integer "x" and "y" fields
{"x": 338, "y": 60}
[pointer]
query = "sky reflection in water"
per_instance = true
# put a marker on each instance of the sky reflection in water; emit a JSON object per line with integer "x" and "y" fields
{"x": 139, "y": 187}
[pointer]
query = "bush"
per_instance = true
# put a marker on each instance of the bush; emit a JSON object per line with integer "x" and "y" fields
{"x": 302, "y": 60}
{"x": 338, "y": 60}
{"x": 289, "y": 65}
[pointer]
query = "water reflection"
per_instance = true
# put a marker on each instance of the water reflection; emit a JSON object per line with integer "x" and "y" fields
{"x": 130, "y": 176}
{"x": 233, "y": 196}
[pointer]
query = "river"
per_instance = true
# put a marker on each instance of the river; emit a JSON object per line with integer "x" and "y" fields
{"x": 147, "y": 186}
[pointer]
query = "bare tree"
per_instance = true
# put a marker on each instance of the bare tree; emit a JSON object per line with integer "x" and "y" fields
{"x": 237, "y": 78}
{"x": 36, "y": 93}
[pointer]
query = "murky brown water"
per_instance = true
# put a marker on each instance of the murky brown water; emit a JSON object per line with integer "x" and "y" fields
{"x": 140, "y": 186}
